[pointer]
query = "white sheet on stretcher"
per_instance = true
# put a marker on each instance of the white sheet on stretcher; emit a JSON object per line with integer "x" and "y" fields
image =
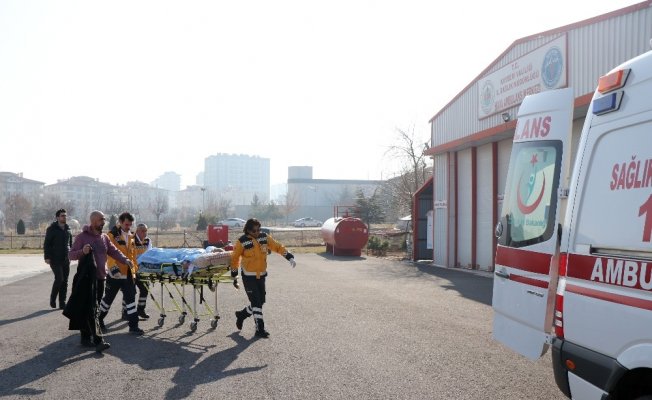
{"x": 164, "y": 260}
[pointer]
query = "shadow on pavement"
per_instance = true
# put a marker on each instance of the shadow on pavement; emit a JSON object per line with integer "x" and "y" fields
{"x": 52, "y": 357}
{"x": 182, "y": 355}
{"x": 331, "y": 257}
{"x": 469, "y": 285}
{"x": 212, "y": 368}
{"x": 25, "y": 317}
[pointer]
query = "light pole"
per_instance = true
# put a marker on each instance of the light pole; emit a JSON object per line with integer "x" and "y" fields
{"x": 203, "y": 192}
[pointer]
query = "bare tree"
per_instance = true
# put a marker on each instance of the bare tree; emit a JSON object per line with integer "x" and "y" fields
{"x": 44, "y": 209}
{"x": 414, "y": 171}
{"x": 290, "y": 204}
{"x": 16, "y": 207}
{"x": 158, "y": 207}
{"x": 223, "y": 207}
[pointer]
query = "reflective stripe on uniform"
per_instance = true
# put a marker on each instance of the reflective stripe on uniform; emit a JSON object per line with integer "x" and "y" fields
{"x": 131, "y": 308}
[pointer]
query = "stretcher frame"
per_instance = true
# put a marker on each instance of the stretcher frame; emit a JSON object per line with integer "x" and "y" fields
{"x": 173, "y": 285}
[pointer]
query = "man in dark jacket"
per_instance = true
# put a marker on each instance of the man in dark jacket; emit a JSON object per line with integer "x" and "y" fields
{"x": 57, "y": 243}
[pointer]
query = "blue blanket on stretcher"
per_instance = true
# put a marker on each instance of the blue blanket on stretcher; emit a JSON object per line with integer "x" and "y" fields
{"x": 165, "y": 260}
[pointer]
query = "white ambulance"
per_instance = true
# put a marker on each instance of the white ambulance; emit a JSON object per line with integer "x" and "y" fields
{"x": 574, "y": 256}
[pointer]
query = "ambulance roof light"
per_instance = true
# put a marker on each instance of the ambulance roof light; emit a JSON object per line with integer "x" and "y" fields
{"x": 608, "y": 103}
{"x": 613, "y": 81}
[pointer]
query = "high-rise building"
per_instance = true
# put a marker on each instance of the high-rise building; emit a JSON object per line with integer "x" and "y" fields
{"x": 237, "y": 177}
{"x": 169, "y": 181}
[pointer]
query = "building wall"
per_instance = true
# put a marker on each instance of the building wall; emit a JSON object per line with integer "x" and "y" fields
{"x": 594, "y": 47}
{"x": 465, "y": 211}
{"x": 485, "y": 206}
{"x": 471, "y": 150}
{"x": 317, "y": 198}
{"x": 440, "y": 194}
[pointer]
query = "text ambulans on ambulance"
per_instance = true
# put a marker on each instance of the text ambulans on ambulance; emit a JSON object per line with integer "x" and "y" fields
{"x": 574, "y": 256}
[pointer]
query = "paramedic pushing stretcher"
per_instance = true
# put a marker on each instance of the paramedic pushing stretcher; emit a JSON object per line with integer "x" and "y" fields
{"x": 252, "y": 248}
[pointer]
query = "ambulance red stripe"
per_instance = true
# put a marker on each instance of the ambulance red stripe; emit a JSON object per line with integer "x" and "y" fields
{"x": 528, "y": 281}
{"x": 611, "y": 297}
{"x": 525, "y": 260}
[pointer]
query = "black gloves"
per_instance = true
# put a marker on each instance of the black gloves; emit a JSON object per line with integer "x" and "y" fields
{"x": 234, "y": 273}
{"x": 288, "y": 256}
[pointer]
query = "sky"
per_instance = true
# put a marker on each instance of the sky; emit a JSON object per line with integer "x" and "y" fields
{"x": 127, "y": 90}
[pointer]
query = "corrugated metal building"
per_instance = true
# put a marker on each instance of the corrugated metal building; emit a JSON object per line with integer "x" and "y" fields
{"x": 471, "y": 137}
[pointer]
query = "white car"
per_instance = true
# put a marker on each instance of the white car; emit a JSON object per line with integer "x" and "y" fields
{"x": 307, "y": 221}
{"x": 232, "y": 222}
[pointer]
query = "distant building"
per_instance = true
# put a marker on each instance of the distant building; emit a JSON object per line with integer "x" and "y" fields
{"x": 169, "y": 181}
{"x": 318, "y": 198}
{"x": 237, "y": 177}
{"x": 12, "y": 183}
{"x": 142, "y": 200}
{"x": 199, "y": 179}
{"x": 86, "y": 193}
{"x": 191, "y": 198}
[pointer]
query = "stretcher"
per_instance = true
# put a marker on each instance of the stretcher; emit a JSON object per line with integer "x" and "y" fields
{"x": 184, "y": 271}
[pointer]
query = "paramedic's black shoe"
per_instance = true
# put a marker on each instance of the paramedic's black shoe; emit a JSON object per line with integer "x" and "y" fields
{"x": 136, "y": 331}
{"x": 262, "y": 334}
{"x": 62, "y": 305}
{"x": 100, "y": 347}
{"x": 239, "y": 319}
{"x": 53, "y": 302}
{"x": 142, "y": 314}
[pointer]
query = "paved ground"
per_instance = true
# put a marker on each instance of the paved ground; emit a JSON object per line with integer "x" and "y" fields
{"x": 358, "y": 328}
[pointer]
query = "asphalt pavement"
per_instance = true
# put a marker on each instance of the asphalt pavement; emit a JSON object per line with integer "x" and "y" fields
{"x": 341, "y": 328}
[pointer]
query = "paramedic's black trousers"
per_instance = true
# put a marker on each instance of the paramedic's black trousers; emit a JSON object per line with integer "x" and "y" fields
{"x": 128, "y": 289}
{"x": 255, "y": 289}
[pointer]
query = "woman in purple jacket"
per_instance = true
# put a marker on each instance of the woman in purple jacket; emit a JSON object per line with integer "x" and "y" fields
{"x": 92, "y": 239}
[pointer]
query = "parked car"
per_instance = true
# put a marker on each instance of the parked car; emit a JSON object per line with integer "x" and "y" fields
{"x": 232, "y": 222}
{"x": 307, "y": 221}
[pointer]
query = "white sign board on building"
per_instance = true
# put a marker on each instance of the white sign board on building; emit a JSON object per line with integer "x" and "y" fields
{"x": 542, "y": 69}
{"x": 430, "y": 231}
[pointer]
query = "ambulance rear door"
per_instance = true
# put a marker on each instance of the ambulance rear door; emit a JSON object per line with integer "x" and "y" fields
{"x": 528, "y": 230}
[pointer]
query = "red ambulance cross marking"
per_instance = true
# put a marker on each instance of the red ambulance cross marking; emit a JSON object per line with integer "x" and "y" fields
{"x": 534, "y": 159}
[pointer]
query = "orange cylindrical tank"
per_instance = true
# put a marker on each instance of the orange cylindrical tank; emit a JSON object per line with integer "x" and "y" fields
{"x": 344, "y": 236}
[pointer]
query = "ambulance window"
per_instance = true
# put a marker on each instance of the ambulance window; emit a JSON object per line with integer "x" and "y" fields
{"x": 530, "y": 195}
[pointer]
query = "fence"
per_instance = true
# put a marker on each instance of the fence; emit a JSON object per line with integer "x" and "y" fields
{"x": 188, "y": 238}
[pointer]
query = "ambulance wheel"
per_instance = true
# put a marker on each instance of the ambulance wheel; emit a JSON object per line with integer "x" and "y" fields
{"x": 161, "y": 321}
{"x": 213, "y": 323}
{"x": 182, "y": 319}
{"x": 193, "y": 326}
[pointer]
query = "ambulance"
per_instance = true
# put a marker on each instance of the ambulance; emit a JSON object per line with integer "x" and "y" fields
{"x": 574, "y": 256}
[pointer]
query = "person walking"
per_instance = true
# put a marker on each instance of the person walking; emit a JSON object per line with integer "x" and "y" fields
{"x": 121, "y": 276}
{"x": 251, "y": 250}
{"x": 142, "y": 244}
{"x": 57, "y": 243}
{"x": 92, "y": 241}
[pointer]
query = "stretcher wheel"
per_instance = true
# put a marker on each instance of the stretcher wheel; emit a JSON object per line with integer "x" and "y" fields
{"x": 193, "y": 326}
{"x": 182, "y": 319}
{"x": 161, "y": 321}
{"x": 213, "y": 323}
